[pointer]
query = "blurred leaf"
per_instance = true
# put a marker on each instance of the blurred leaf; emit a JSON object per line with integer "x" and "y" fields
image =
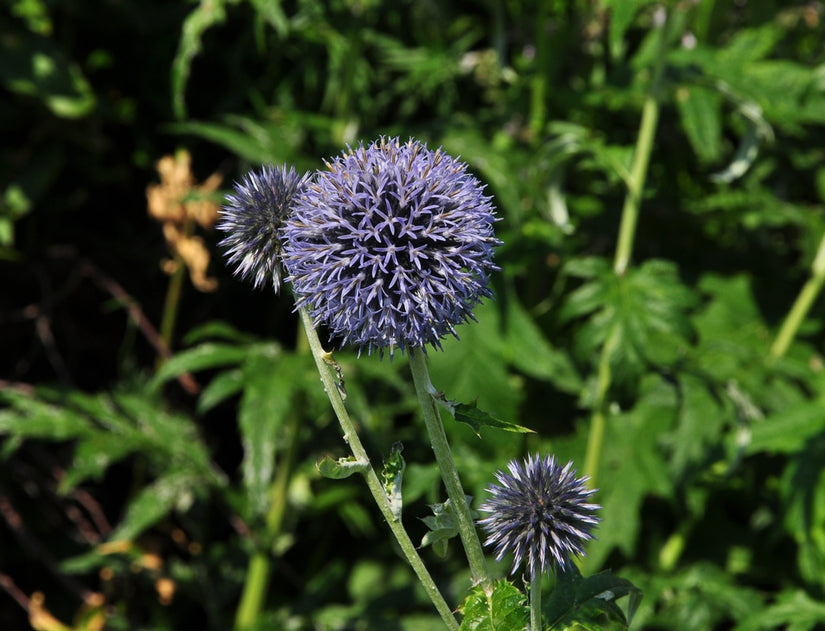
{"x": 700, "y": 424}
{"x": 29, "y": 417}
{"x": 503, "y": 610}
{"x": 33, "y": 65}
{"x": 576, "y": 600}
{"x": 205, "y": 356}
{"x": 700, "y": 110}
{"x": 622, "y": 13}
{"x": 633, "y": 468}
{"x": 173, "y": 490}
{"x": 474, "y": 366}
{"x": 207, "y": 14}
{"x": 271, "y": 383}
{"x": 787, "y": 431}
{"x": 698, "y": 596}
{"x": 793, "y": 610}
{"x": 645, "y": 310}
{"x": 217, "y": 329}
{"x": 527, "y": 349}
{"x": 223, "y": 386}
{"x": 93, "y": 455}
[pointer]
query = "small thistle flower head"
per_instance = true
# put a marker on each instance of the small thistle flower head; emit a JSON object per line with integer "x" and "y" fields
{"x": 391, "y": 246}
{"x": 540, "y": 513}
{"x": 253, "y": 217}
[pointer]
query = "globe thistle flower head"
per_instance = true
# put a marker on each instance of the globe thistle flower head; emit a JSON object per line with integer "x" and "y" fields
{"x": 252, "y": 219}
{"x": 391, "y": 246}
{"x": 540, "y": 513}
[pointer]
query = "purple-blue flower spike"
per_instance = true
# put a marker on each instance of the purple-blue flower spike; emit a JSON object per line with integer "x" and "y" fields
{"x": 252, "y": 219}
{"x": 391, "y": 246}
{"x": 539, "y": 512}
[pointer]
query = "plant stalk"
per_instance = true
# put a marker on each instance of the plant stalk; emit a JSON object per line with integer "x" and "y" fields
{"x": 624, "y": 247}
{"x": 258, "y": 572}
{"x": 449, "y": 474}
{"x": 803, "y": 303}
{"x": 535, "y": 603}
{"x": 373, "y": 483}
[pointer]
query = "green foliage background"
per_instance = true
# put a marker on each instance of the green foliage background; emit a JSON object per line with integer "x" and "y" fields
{"x": 712, "y": 471}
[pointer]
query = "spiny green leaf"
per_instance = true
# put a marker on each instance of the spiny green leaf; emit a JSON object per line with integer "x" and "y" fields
{"x": 503, "y": 610}
{"x": 475, "y": 418}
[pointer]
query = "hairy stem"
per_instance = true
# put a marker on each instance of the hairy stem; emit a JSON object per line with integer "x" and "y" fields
{"x": 373, "y": 483}
{"x": 535, "y": 603}
{"x": 803, "y": 303}
{"x": 449, "y": 474}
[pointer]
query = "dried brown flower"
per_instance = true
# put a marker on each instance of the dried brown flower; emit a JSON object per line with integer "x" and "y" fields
{"x": 179, "y": 203}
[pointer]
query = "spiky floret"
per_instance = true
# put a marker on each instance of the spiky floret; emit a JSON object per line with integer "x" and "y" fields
{"x": 539, "y": 512}
{"x": 391, "y": 246}
{"x": 252, "y": 219}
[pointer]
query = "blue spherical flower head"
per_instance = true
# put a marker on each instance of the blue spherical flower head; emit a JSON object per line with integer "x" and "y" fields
{"x": 391, "y": 246}
{"x": 253, "y": 217}
{"x": 539, "y": 512}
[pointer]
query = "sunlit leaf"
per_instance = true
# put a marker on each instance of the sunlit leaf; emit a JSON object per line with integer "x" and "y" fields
{"x": 503, "y": 610}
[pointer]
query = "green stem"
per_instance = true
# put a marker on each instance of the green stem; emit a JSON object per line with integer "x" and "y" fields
{"x": 258, "y": 572}
{"x": 538, "y": 83}
{"x": 598, "y": 423}
{"x": 641, "y": 161}
{"x": 373, "y": 483}
{"x": 803, "y": 303}
{"x": 535, "y": 603}
{"x": 624, "y": 247}
{"x": 173, "y": 293}
{"x": 170, "y": 305}
{"x": 449, "y": 474}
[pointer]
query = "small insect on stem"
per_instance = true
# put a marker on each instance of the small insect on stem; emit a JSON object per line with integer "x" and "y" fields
{"x": 331, "y": 361}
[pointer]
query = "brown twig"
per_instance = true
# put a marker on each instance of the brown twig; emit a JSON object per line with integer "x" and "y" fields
{"x": 7, "y": 583}
{"x": 106, "y": 283}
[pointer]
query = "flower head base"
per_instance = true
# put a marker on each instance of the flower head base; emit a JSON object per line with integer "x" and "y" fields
{"x": 252, "y": 219}
{"x": 539, "y": 512}
{"x": 391, "y": 246}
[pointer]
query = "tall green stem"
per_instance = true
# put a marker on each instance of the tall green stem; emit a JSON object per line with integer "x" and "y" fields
{"x": 258, "y": 572}
{"x": 449, "y": 473}
{"x": 535, "y": 603}
{"x": 624, "y": 247}
{"x": 373, "y": 483}
{"x": 173, "y": 293}
{"x": 803, "y": 303}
